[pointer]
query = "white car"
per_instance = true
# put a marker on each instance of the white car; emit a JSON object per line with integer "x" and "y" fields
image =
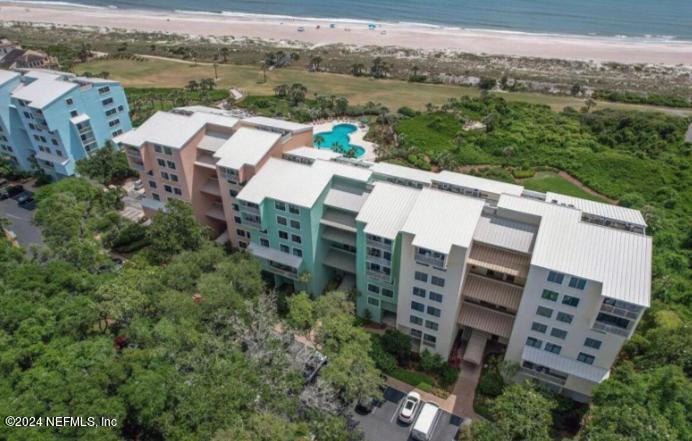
{"x": 408, "y": 409}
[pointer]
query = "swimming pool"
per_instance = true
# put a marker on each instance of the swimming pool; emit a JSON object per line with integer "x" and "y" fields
{"x": 338, "y": 139}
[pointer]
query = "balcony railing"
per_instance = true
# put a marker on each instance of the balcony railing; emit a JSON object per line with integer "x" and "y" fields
{"x": 378, "y": 260}
{"x": 137, "y": 166}
{"x": 376, "y": 275}
{"x": 428, "y": 260}
{"x": 610, "y": 329}
{"x": 543, "y": 376}
{"x": 379, "y": 244}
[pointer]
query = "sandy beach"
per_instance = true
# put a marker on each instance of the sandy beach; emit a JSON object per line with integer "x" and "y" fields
{"x": 358, "y": 33}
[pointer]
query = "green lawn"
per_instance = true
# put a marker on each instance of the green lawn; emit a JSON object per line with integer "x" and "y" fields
{"x": 548, "y": 181}
{"x": 359, "y": 90}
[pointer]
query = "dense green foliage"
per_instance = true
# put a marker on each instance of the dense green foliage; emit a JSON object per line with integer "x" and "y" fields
{"x": 182, "y": 350}
{"x": 636, "y": 98}
{"x": 144, "y": 102}
{"x": 106, "y": 165}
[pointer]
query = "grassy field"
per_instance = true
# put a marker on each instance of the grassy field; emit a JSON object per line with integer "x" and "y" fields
{"x": 548, "y": 181}
{"x": 359, "y": 90}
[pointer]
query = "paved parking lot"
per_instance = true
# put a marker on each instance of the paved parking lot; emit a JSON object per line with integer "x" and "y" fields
{"x": 20, "y": 222}
{"x": 382, "y": 424}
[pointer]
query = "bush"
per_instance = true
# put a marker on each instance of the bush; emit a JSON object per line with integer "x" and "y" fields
{"x": 383, "y": 360}
{"x": 523, "y": 173}
{"x": 430, "y": 362}
{"x": 448, "y": 374}
{"x": 43, "y": 179}
{"x": 132, "y": 232}
{"x": 407, "y": 111}
{"x": 397, "y": 344}
{"x": 491, "y": 383}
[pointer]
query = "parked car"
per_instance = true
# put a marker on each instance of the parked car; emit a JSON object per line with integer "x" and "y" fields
{"x": 425, "y": 423}
{"x": 28, "y": 204}
{"x": 24, "y": 196}
{"x": 139, "y": 185}
{"x": 408, "y": 409}
{"x": 10, "y": 191}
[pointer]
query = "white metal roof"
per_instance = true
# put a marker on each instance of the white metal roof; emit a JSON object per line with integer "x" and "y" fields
{"x": 386, "y": 209}
{"x": 345, "y": 200}
{"x": 440, "y": 219}
{"x": 399, "y": 171}
{"x": 599, "y": 208}
{"x": 277, "y": 123}
{"x": 212, "y": 141}
{"x": 505, "y": 233}
{"x": 7, "y": 75}
{"x": 474, "y": 182}
{"x": 313, "y": 153}
{"x": 563, "y": 364}
{"x": 286, "y": 181}
{"x": 618, "y": 259}
{"x": 343, "y": 170}
{"x": 246, "y": 146}
{"x": 43, "y": 90}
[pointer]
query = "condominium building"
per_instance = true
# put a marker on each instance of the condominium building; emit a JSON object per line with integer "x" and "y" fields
{"x": 455, "y": 261}
{"x": 50, "y": 120}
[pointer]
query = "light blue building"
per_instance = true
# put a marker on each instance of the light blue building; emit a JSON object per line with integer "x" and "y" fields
{"x": 53, "y": 119}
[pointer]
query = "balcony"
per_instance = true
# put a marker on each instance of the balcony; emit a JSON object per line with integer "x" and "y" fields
{"x": 216, "y": 212}
{"x": 339, "y": 236}
{"x": 133, "y": 153}
{"x": 339, "y": 220}
{"x": 378, "y": 260}
{"x": 253, "y": 209}
{"x": 379, "y": 244}
{"x": 211, "y": 187}
{"x": 341, "y": 260}
{"x": 484, "y": 289}
{"x": 486, "y": 320}
{"x": 139, "y": 166}
{"x": 206, "y": 161}
{"x": 377, "y": 275}
{"x": 277, "y": 262}
{"x": 501, "y": 261}
{"x": 251, "y": 221}
{"x": 429, "y": 260}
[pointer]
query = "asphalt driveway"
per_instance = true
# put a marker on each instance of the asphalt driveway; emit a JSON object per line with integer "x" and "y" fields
{"x": 382, "y": 424}
{"x": 20, "y": 223}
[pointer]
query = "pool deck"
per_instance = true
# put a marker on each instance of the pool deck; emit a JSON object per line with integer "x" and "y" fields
{"x": 356, "y": 138}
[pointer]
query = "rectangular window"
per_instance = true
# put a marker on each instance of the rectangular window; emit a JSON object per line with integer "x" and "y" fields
{"x": 284, "y": 249}
{"x": 167, "y": 151}
{"x": 168, "y": 188}
{"x": 415, "y": 333}
{"x": 293, "y": 209}
{"x": 544, "y": 312}
{"x": 177, "y": 191}
{"x": 435, "y": 297}
{"x": 283, "y": 235}
{"x": 534, "y": 342}
{"x": 171, "y": 165}
{"x": 373, "y": 288}
{"x": 558, "y": 333}
{"x": 429, "y": 340}
{"x": 417, "y": 306}
{"x": 232, "y": 193}
{"x": 240, "y": 233}
{"x": 592, "y": 343}
{"x": 420, "y": 292}
{"x": 556, "y": 277}
{"x": 161, "y": 162}
{"x": 555, "y": 349}
{"x": 434, "y": 311}
{"x": 297, "y": 252}
{"x": 113, "y": 123}
{"x": 422, "y": 277}
{"x": 577, "y": 283}
{"x": 280, "y": 206}
{"x": 74, "y": 113}
{"x": 295, "y": 238}
{"x": 107, "y": 101}
{"x": 539, "y": 327}
{"x": 69, "y": 101}
{"x": 549, "y": 295}
{"x": 416, "y": 320}
{"x": 174, "y": 178}
{"x": 264, "y": 242}
{"x": 281, "y": 220}
{"x": 613, "y": 320}
{"x": 586, "y": 358}
{"x": 387, "y": 292}
{"x": 156, "y": 197}
{"x": 571, "y": 301}
{"x": 237, "y": 219}
{"x": 437, "y": 281}
{"x": 432, "y": 325}
{"x": 295, "y": 224}
{"x": 373, "y": 301}
{"x": 564, "y": 317}
{"x": 164, "y": 175}
{"x": 104, "y": 89}
{"x": 152, "y": 184}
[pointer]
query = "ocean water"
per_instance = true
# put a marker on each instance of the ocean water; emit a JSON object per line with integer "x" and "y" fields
{"x": 650, "y": 19}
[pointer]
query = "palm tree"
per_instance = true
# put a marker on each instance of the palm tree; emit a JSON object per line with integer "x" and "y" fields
{"x": 281, "y": 90}
{"x": 357, "y": 69}
{"x": 224, "y": 54}
{"x": 297, "y": 93}
{"x": 315, "y": 63}
{"x": 589, "y": 104}
{"x": 318, "y": 140}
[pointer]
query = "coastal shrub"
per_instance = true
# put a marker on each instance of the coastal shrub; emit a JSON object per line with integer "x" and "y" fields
{"x": 447, "y": 374}
{"x": 397, "y": 344}
{"x": 431, "y": 362}
{"x": 491, "y": 383}
{"x": 523, "y": 173}
{"x": 407, "y": 111}
{"x": 383, "y": 360}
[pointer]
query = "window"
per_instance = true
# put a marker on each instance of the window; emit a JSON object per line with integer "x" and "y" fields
{"x": 437, "y": 281}
{"x": 416, "y": 320}
{"x": 156, "y": 197}
{"x": 534, "y": 342}
{"x": 114, "y": 122}
{"x": 571, "y": 301}
{"x": 284, "y": 249}
{"x": 564, "y": 317}
{"x": 415, "y": 333}
{"x": 555, "y": 349}
{"x": 295, "y": 238}
{"x": 613, "y": 320}
{"x": 421, "y": 276}
{"x": 558, "y": 333}
{"x": 387, "y": 292}
{"x": 434, "y": 311}
{"x": 297, "y": 252}
{"x": 104, "y": 89}
{"x": 373, "y": 301}
{"x": 549, "y": 295}
{"x": 295, "y": 224}
{"x": 280, "y": 206}
{"x": 237, "y": 219}
{"x": 161, "y": 162}
{"x": 171, "y": 165}
{"x": 283, "y": 235}
{"x": 54, "y": 141}
{"x": 174, "y": 178}
{"x": 74, "y": 113}
{"x": 177, "y": 191}
{"x": 164, "y": 175}
{"x": 107, "y": 101}
{"x": 232, "y": 193}
{"x": 585, "y": 358}
{"x": 152, "y": 184}
{"x": 576, "y": 282}
{"x": 373, "y": 288}
{"x": 592, "y": 343}
{"x": 242, "y": 245}
{"x": 240, "y": 233}
{"x": 429, "y": 340}
{"x": 281, "y": 220}
{"x": 556, "y": 277}
{"x": 544, "y": 312}
{"x": 293, "y": 209}
{"x": 69, "y": 101}
{"x": 417, "y": 306}
{"x": 264, "y": 242}
{"x": 420, "y": 292}
{"x": 235, "y": 207}
{"x": 432, "y": 325}
{"x": 168, "y": 188}
{"x": 435, "y": 297}
{"x": 167, "y": 151}
{"x": 539, "y": 327}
